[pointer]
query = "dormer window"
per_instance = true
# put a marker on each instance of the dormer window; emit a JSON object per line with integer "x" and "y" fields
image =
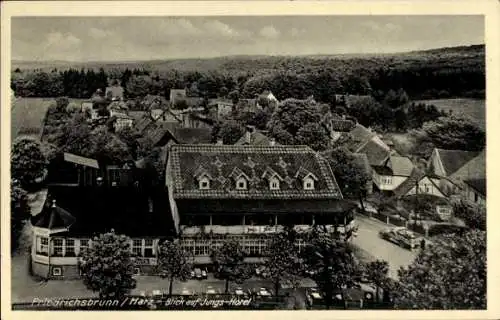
{"x": 274, "y": 184}
{"x": 308, "y": 178}
{"x": 204, "y": 183}
{"x": 308, "y": 184}
{"x": 273, "y": 178}
{"x": 240, "y": 179}
{"x": 203, "y": 178}
{"x": 241, "y": 184}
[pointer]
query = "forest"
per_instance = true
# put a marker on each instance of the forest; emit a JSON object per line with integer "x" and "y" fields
{"x": 439, "y": 73}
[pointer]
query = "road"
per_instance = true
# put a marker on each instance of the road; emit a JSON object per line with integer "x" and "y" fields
{"x": 370, "y": 243}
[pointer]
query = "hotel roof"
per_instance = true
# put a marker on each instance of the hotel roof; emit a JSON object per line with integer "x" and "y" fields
{"x": 220, "y": 161}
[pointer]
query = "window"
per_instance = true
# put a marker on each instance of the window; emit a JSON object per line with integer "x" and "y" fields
{"x": 204, "y": 183}
{"x": 148, "y": 248}
{"x": 57, "y": 247}
{"x": 137, "y": 271}
{"x": 56, "y": 271}
{"x": 386, "y": 180}
{"x": 427, "y": 188}
{"x": 42, "y": 246}
{"x": 137, "y": 247}
{"x": 114, "y": 176}
{"x": 202, "y": 248}
{"x": 70, "y": 248}
{"x": 308, "y": 184}
{"x": 241, "y": 184}
{"x": 274, "y": 184}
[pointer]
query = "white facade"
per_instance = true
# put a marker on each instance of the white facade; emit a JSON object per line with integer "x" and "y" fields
{"x": 387, "y": 183}
{"x": 426, "y": 186}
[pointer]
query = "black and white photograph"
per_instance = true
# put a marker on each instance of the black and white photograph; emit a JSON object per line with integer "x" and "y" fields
{"x": 261, "y": 162}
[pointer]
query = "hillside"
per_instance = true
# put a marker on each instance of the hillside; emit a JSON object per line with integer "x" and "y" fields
{"x": 473, "y": 53}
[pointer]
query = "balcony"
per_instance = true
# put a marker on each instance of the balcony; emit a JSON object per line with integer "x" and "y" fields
{"x": 256, "y": 229}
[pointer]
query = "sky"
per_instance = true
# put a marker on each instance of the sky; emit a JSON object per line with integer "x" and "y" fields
{"x": 152, "y": 38}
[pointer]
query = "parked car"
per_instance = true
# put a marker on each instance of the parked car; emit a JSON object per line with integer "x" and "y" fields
{"x": 200, "y": 274}
{"x": 186, "y": 292}
{"x": 314, "y": 297}
{"x": 204, "y": 273}
{"x": 240, "y": 292}
{"x": 402, "y": 237}
{"x": 211, "y": 290}
{"x": 263, "y": 292}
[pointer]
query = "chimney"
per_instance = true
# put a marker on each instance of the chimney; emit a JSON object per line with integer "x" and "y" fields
{"x": 272, "y": 142}
{"x": 220, "y": 141}
{"x": 248, "y": 134}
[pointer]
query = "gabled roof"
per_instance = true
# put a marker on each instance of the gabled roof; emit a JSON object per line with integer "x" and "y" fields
{"x": 257, "y": 138}
{"x": 157, "y": 131}
{"x": 400, "y": 166}
{"x": 193, "y": 135}
{"x": 361, "y": 135}
{"x": 53, "y": 217}
{"x": 474, "y": 169}
{"x": 477, "y": 184}
{"x": 221, "y": 161}
{"x": 409, "y": 183}
{"x": 178, "y": 93}
{"x": 342, "y": 125}
{"x": 73, "y": 158}
{"x": 375, "y": 153}
{"x": 269, "y": 173}
{"x": 116, "y": 91}
{"x": 453, "y": 160}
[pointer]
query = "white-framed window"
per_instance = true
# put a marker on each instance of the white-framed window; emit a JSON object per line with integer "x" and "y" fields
{"x": 308, "y": 184}
{"x": 204, "y": 183}
{"x": 137, "y": 247}
{"x": 386, "y": 180}
{"x": 56, "y": 271}
{"x": 188, "y": 245}
{"x": 241, "y": 184}
{"x": 70, "y": 248}
{"x": 58, "y": 247}
{"x": 42, "y": 245}
{"x": 427, "y": 188}
{"x": 148, "y": 248}
{"x": 274, "y": 184}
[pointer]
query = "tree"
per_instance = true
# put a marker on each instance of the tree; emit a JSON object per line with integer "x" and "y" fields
{"x": 234, "y": 96}
{"x": 28, "y": 163}
{"x": 107, "y": 266}
{"x": 332, "y": 262}
{"x": 474, "y": 215}
{"x": 283, "y": 259}
{"x": 451, "y": 274}
{"x": 107, "y": 147}
{"x": 19, "y": 212}
{"x": 138, "y": 86}
{"x": 173, "y": 262}
{"x": 454, "y": 133}
{"x": 229, "y": 131}
{"x": 377, "y": 273}
{"x": 313, "y": 135}
{"x": 351, "y": 177}
{"x": 229, "y": 261}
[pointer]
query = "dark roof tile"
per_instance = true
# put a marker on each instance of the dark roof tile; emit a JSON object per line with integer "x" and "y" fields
{"x": 221, "y": 161}
{"x": 453, "y": 160}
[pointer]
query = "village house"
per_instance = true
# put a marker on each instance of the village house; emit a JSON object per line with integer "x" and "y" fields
{"x": 176, "y": 94}
{"x": 392, "y": 173}
{"x": 254, "y": 137}
{"x": 457, "y": 166}
{"x": 114, "y": 93}
{"x": 426, "y": 187}
{"x": 248, "y": 192}
{"x": 474, "y": 190}
{"x": 220, "y": 108}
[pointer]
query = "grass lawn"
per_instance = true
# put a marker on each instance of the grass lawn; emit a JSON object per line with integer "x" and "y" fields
{"x": 27, "y": 115}
{"x": 470, "y": 108}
